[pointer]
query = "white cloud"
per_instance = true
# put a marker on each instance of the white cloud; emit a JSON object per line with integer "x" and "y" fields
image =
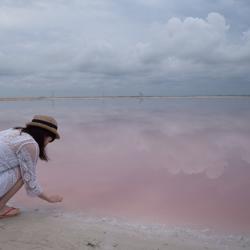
{"x": 198, "y": 44}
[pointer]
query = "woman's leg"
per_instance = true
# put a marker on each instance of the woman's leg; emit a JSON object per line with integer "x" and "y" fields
{"x": 4, "y": 199}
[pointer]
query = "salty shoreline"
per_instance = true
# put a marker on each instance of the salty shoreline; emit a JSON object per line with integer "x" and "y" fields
{"x": 60, "y": 230}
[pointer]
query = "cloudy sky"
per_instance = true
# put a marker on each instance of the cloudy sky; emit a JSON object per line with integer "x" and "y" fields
{"x": 124, "y": 47}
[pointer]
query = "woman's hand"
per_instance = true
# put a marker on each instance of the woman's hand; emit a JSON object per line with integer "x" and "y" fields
{"x": 51, "y": 198}
{"x": 55, "y": 198}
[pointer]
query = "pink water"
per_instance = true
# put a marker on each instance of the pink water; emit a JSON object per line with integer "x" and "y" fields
{"x": 175, "y": 162}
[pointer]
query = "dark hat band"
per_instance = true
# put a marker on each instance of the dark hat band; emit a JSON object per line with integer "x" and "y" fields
{"x": 45, "y": 123}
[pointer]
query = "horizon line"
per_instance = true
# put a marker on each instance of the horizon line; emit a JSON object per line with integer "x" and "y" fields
{"x": 17, "y": 98}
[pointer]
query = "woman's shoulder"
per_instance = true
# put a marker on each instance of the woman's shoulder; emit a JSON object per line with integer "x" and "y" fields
{"x": 20, "y": 135}
{"x": 8, "y": 134}
{"x": 5, "y": 131}
{"x": 22, "y": 138}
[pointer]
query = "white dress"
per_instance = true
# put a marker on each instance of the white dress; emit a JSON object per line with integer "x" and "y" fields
{"x": 18, "y": 155}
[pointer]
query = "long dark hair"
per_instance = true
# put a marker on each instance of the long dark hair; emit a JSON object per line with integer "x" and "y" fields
{"x": 39, "y": 134}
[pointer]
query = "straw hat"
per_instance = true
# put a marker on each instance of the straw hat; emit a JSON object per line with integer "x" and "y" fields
{"x": 45, "y": 122}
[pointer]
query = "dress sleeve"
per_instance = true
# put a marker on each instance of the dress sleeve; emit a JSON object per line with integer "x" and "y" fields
{"x": 27, "y": 157}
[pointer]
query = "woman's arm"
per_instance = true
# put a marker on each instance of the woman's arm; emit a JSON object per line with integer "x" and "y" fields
{"x": 27, "y": 156}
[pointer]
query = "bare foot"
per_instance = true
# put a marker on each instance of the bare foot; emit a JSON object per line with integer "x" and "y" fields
{"x": 7, "y": 211}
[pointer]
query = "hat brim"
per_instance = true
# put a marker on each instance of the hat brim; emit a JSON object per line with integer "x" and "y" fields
{"x": 54, "y": 131}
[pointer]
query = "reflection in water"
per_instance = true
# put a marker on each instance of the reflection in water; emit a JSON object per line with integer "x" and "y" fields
{"x": 170, "y": 161}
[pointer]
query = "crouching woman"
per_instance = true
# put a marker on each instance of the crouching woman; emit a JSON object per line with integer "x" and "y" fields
{"x": 20, "y": 148}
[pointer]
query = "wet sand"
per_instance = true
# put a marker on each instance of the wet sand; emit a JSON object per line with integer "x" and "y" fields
{"x": 63, "y": 231}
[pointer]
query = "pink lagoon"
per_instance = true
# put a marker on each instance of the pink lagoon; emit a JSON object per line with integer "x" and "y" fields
{"x": 182, "y": 162}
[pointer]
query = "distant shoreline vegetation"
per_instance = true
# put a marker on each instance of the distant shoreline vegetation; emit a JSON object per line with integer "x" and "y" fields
{"x": 30, "y": 98}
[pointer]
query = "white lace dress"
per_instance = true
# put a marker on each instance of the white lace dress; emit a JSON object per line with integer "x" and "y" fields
{"x": 18, "y": 156}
